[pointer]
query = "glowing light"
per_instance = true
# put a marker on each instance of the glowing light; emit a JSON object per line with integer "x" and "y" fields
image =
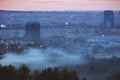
{"x": 41, "y": 46}
{"x": 67, "y": 23}
{"x": 3, "y": 25}
{"x": 103, "y": 35}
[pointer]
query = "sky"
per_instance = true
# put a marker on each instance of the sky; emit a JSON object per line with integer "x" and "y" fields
{"x": 59, "y": 5}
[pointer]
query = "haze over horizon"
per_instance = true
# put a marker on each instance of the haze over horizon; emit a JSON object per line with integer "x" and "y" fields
{"x": 59, "y": 5}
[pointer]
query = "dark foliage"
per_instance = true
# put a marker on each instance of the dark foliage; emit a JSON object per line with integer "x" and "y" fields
{"x": 23, "y": 73}
{"x": 114, "y": 77}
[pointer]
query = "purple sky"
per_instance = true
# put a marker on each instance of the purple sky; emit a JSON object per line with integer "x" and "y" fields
{"x": 51, "y": 5}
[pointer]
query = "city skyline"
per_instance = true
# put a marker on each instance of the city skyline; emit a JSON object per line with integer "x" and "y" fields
{"x": 59, "y": 5}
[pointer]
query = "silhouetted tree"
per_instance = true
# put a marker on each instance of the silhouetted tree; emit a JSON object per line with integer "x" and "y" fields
{"x": 7, "y": 72}
{"x": 23, "y": 73}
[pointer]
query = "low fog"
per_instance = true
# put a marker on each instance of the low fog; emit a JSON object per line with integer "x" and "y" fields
{"x": 43, "y": 58}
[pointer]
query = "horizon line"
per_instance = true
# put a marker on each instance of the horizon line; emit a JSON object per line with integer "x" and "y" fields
{"x": 57, "y": 10}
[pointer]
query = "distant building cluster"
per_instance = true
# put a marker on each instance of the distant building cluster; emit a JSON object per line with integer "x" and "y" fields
{"x": 80, "y": 38}
{"x": 7, "y": 34}
{"x": 29, "y": 32}
{"x": 108, "y": 27}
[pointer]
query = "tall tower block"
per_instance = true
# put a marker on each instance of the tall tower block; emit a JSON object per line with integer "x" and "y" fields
{"x": 32, "y": 31}
{"x": 108, "y": 19}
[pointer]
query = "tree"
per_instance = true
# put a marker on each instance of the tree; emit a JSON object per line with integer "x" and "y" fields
{"x": 23, "y": 73}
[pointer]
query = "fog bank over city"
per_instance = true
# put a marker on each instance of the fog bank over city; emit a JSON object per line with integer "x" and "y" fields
{"x": 43, "y": 58}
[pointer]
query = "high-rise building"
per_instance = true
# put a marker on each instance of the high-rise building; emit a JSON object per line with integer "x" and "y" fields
{"x": 108, "y": 22}
{"x": 109, "y": 19}
{"x": 32, "y": 31}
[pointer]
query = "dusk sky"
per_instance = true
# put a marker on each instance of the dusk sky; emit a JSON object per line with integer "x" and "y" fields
{"x": 53, "y": 5}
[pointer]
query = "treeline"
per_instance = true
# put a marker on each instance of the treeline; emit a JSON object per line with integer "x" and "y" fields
{"x": 104, "y": 69}
{"x": 24, "y": 73}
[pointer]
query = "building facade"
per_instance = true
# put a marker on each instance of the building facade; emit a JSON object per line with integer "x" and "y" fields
{"x": 32, "y": 32}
